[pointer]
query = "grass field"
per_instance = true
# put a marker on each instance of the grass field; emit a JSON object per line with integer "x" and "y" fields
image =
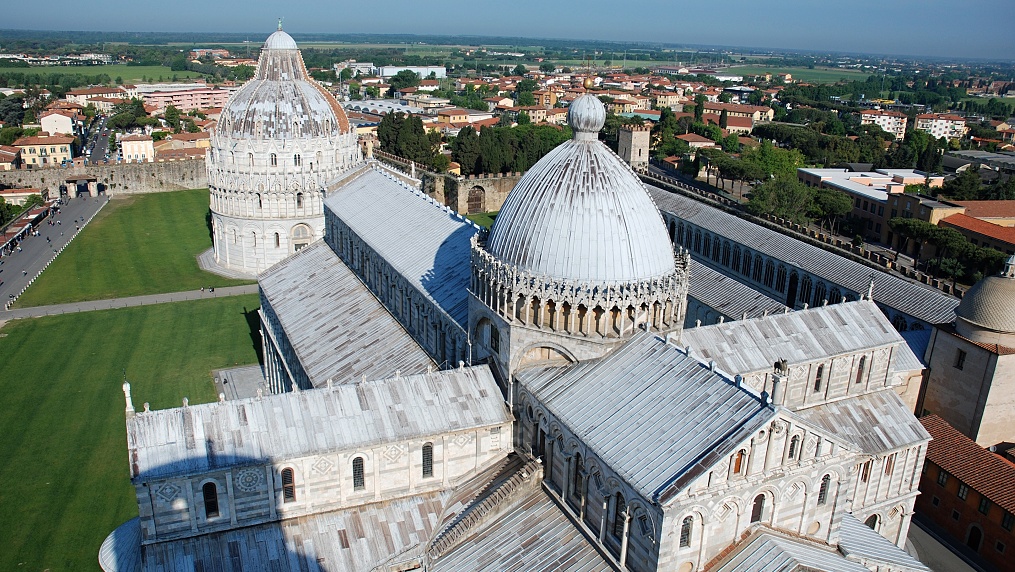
{"x": 484, "y": 220}
{"x": 129, "y": 74}
{"x": 137, "y": 245}
{"x": 816, "y": 75}
{"x": 64, "y": 482}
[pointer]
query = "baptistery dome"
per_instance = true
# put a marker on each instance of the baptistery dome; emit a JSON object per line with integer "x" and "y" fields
{"x": 581, "y": 213}
{"x": 280, "y": 139}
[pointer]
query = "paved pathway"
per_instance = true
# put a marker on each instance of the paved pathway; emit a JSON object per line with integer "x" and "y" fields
{"x": 148, "y": 300}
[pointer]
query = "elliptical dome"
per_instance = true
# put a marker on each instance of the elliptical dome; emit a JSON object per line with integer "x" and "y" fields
{"x": 281, "y": 101}
{"x": 987, "y": 311}
{"x": 581, "y": 213}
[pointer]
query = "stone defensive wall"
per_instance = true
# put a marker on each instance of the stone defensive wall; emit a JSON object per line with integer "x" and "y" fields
{"x": 119, "y": 179}
{"x": 467, "y": 195}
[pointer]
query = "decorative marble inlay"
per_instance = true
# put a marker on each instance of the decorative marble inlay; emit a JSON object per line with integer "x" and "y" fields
{"x": 168, "y": 492}
{"x": 462, "y": 440}
{"x": 322, "y": 466}
{"x": 249, "y": 480}
{"x": 393, "y": 453}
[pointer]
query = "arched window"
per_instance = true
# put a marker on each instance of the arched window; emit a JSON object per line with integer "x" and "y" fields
{"x": 860, "y": 368}
{"x": 758, "y": 511}
{"x": 697, "y": 241}
{"x": 274, "y": 160}
{"x": 745, "y": 269}
{"x": 299, "y": 200}
{"x": 759, "y": 266}
{"x": 736, "y": 259}
{"x": 427, "y": 460}
{"x": 740, "y": 462}
{"x": 794, "y": 446}
{"x": 211, "y": 500}
{"x": 823, "y": 490}
{"x": 726, "y": 253}
{"x": 297, "y": 160}
{"x": 359, "y": 481}
{"x": 973, "y": 539}
{"x": 865, "y": 472}
{"x": 817, "y": 377}
{"x": 576, "y": 477}
{"x": 254, "y": 234}
{"x": 250, "y": 157}
{"x": 780, "y": 279}
{"x": 872, "y": 522}
{"x": 259, "y": 203}
{"x": 769, "y": 273}
{"x": 716, "y": 245}
{"x": 288, "y": 486}
{"x": 685, "y": 532}
{"x": 619, "y": 516}
{"x": 820, "y": 294}
{"x": 707, "y": 246}
{"x": 278, "y": 240}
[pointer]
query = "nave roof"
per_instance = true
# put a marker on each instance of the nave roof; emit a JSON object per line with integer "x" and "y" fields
{"x": 336, "y": 326}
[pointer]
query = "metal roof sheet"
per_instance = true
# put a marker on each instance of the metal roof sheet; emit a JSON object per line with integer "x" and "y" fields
{"x": 336, "y": 326}
{"x": 917, "y": 300}
{"x": 532, "y": 534}
{"x": 859, "y": 542}
{"x": 197, "y": 438}
{"x": 770, "y": 552}
{"x": 727, "y": 295}
{"x": 798, "y": 337}
{"x": 425, "y": 242}
{"x": 876, "y": 422}
{"x": 648, "y": 411}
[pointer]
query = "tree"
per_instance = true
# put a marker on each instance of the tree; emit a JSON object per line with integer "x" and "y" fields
{"x": 172, "y": 116}
{"x": 830, "y": 206}
{"x": 699, "y": 107}
{"x": 519, "y": 70}
{"x": 724, "y": 119}
{"x": 547, "y": 67}
{"x": 526, "y": 99}
{"x": 403, "y": 79}
{"x": 33, "y": 201}
{"x": 345, "y": 74}
{"x": 523, "y": 118}
{"x": 909, "y": 229}
{"x": 465, "y": 150}
{"x": 964, "y": 187}
{"x": 784, "y": 197}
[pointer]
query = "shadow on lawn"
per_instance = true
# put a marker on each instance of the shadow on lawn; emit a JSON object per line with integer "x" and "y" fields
{"x": 254, "y": 324}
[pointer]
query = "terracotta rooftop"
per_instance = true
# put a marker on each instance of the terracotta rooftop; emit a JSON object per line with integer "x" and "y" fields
{"x": 981, "y": 227}
{"x": 988, "y": 209}
{"x": 983, "y": 471}
{"x": 695, "y": 138}
{"x": 36, "y": 140}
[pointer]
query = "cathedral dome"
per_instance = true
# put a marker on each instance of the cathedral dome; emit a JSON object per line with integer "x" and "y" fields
{"x": 987, "y": 311}
{"x": 281, "y": 101}
{"x": 581, "y": 213}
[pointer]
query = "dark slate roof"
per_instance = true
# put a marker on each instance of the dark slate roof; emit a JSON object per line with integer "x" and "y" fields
{"x": 655, "y": 416}
{"x": 727, "y": 295}
{"x": 919, "y": 301}
{"x": 425, "y": 242}
{"x": 336, "y": 326}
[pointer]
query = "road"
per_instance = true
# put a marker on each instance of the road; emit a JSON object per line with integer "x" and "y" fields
{"x": 95, "y": 149}
{"x": 18, "y": 268}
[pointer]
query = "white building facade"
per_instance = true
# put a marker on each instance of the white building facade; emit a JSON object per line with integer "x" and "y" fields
{"x": 280, "y": 139}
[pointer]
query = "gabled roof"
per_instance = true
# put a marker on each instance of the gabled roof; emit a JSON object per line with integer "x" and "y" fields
{"x": 919, "y": 301}
{"x": 336, "y": 326}
{"x": 728, "y": 295}
{"x": 801, "y": 336}
{"x": 981, "y": 227}
{"x": 857, "y": 541}
{"x": 983, "y": 471}
{"x": 428, "y": 244}
{"x": 655, "y": 416}
{"x": 768, "y": 551}
{"x": 199, "y": 438}
{"x": 875, "y": 423}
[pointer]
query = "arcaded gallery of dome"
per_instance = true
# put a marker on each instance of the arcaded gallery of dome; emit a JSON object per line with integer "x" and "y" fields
{"x": 987, "y": 311}
{"x": 279, "y": 140}
{"x": 581, "y": 213}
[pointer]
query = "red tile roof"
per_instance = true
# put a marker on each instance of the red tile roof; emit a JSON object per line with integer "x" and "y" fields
{"x": 695, "y": 138}
{"x": 988, "y": 209}
{"x": 37, "y": 140}
{"x": 981, "y": 227}
{"x": 983, "y": 471}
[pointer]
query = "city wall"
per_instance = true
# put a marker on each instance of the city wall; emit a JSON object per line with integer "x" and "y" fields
{"x": 467, "y": 195}
{"x": 121, "y": 179}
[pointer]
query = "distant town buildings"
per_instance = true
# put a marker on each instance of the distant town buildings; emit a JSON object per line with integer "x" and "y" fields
{"x": 938, "y": 125}
{"x": 893, "y": 122}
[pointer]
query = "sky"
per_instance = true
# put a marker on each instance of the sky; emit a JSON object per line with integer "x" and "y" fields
{"x": 959, "y": 29}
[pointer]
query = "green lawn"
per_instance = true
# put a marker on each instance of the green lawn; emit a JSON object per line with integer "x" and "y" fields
{"x": 129, "y": 74}
{"x": 64, "y": 482}
{"x": 145, "y": 244}
{"x": 484, "y": 220}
